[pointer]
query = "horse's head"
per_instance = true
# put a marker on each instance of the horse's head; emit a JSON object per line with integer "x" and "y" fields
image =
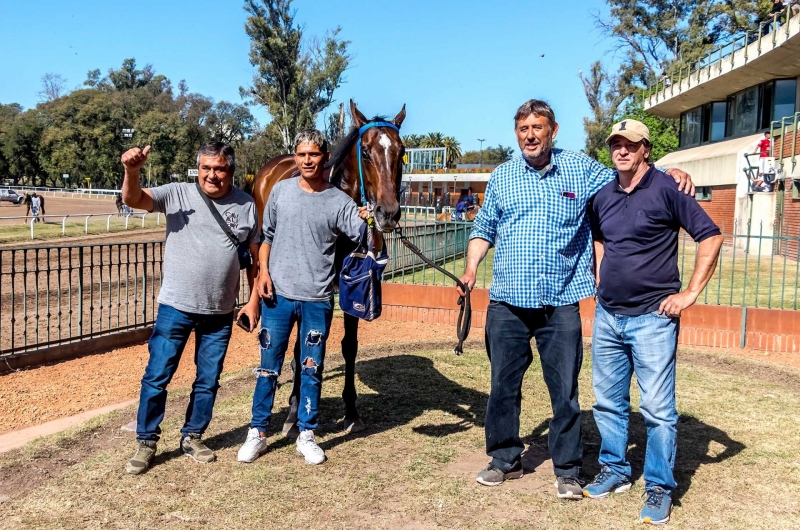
{"x": 381, "y": 165}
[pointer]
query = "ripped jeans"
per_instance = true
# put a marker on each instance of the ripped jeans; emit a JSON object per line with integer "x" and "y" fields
{"x": 277, "y": 321}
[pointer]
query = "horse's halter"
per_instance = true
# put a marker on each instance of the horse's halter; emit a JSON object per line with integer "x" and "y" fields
{"x": 361, "y": 132}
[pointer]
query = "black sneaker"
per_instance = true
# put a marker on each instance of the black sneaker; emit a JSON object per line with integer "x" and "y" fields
{"x": 569, "y": 487}
{"x": 494, "y": 476}
{"x": 142, "y": 458}
{"x": 193, "y": 447}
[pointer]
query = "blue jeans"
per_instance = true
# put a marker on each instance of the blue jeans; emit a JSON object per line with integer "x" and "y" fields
{"x": 278, "y": 317}
{"x": 212, "y": 334}
{"x": 509, "y": 331}
{"x": 645, "y": 344}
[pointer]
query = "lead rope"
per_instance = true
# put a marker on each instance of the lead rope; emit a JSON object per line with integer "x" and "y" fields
{"x": 465, "y": 313}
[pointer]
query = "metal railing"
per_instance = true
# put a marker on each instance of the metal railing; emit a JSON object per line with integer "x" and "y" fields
{"x": 703, "y": 69}
{"x": 32, "y": 220}
{"x": 53, "y": 295}
{"x": 780, "y": 129}
{"x": 63, "y": 192}
{"x": 56, "y": 295}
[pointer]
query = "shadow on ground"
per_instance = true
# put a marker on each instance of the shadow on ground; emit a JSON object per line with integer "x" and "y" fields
{"x": 694, "y": 447}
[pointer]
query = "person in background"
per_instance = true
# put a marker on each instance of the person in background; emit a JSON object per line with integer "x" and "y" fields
{"x": 36, "y": 203}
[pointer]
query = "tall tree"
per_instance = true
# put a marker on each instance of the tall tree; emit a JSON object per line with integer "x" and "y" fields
{"x": 453, "y": 147}
{"x": 489, "y": 155}
{"x": 53, "y": 87}
{"x": 295, "y": 80}
{"x": 411, "y": 141}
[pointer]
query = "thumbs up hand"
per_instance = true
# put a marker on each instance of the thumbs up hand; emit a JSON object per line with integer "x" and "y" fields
{"x": 133, "y": 159}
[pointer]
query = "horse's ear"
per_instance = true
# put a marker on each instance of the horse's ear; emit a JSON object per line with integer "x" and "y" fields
{"x": 358, "y": 119}
{"x": 398, "y": 120}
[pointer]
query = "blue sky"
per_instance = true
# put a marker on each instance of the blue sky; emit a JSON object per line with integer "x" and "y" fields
{"x": 461, "y": 67}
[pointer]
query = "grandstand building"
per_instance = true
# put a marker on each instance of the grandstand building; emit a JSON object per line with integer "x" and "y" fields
{"x": 725, "y": 103}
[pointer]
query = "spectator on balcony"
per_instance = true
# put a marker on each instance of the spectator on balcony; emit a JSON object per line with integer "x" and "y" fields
{"x": 794, "y": 5}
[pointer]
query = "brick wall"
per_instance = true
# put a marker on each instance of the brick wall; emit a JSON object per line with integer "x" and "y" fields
{"x": 791, "y": 222}
{"x": 785, "y": 144}
{"x": 722, "y": 206}
{"x": 701, "y": 325}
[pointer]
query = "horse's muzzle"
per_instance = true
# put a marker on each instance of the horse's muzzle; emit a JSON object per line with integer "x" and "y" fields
{"x": 387, "y": 219}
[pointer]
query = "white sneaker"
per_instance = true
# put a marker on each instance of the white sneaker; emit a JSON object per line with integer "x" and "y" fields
{"x": 308, "y": 448}
{"x": 254, "y": 446}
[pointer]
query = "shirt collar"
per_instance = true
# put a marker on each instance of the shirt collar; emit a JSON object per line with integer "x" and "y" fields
{"x": 643, "y": 183}
{"x": 551, "y": 168}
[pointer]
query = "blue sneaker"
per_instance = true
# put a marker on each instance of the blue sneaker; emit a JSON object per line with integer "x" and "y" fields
{"x": 604, "y": 483}
{"x": 657, "y": 506}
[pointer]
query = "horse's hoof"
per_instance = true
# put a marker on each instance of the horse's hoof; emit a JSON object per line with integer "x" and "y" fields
{"x": 352, "y": 426}
{"x": 290, "y": 430}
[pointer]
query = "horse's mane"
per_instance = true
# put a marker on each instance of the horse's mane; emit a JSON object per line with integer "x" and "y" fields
{"x": 342, "y": 149}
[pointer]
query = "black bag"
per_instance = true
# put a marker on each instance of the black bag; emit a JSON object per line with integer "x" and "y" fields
{"x": 242, "y": 249}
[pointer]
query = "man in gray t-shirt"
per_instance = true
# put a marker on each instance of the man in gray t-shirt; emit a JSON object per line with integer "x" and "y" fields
{"x": 198, "y": 291}
{"x": 302, "y": 220}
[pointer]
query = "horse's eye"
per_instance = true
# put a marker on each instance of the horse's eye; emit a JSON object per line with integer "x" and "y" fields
{"x": 365, "y": 153}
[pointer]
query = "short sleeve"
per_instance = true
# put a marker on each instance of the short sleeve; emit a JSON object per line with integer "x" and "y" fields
{"x": 594, "y": 220}
{"x": 692, "y": 217}
{"x": 270, "y": 217}
{"x": 254, "y": 235}
{"x": 163, "y": 196}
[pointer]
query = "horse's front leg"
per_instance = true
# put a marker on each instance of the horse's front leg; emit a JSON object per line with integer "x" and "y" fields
{"x": 290, "y": 429}
{"x": 352, "y": 422}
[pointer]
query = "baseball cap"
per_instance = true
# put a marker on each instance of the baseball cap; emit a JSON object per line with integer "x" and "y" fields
{"x": 633, "y": 130}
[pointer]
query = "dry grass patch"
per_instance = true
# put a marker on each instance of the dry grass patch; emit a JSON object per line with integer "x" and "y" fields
{"x": 414, "y": 467}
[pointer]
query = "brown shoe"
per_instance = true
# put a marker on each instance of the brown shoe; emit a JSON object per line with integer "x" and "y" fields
{"x": 142, "y": 458}
{"x": 193, "y": 447}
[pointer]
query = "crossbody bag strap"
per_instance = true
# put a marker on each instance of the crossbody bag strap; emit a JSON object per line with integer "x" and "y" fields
{"x": 218, "y": 217}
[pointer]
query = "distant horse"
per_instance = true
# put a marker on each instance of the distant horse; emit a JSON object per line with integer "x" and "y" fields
{"x": 381, "y": 163}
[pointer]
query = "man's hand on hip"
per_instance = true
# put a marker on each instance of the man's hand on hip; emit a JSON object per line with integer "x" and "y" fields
{"x": 133, "y": 159}
{"x": 674, "y": 304}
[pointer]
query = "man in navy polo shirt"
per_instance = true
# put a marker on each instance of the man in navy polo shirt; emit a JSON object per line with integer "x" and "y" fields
{"x": 534, "y": 214}
{"x": 635, "y": 223}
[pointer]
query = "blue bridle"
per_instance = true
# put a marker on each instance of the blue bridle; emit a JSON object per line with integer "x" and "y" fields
{"x": 361, "y": 132}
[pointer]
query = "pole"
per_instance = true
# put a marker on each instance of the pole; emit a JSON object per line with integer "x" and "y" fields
{"x": 480, "y": 157}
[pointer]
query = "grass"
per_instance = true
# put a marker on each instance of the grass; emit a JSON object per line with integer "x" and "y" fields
{"x": 740, "y": 279}
{"x": 414, "y": 467}
{"x": 97, "y": 225}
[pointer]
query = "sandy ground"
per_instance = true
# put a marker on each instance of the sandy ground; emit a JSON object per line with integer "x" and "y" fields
{"x": 32, "y": 397}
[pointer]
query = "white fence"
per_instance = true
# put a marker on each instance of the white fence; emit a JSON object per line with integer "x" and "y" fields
{"x": 135, "y": 215}
{"x": 81, "y": 193}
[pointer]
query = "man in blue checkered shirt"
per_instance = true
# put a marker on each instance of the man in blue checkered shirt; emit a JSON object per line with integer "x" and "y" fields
{"x": 534, "y": 213}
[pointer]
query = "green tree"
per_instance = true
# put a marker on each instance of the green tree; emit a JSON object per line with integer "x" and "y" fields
{"x": 294, "y": 80}
{"x": 432, "y": 139}
{"x": 492, "y": 156}
{"x": 21, "y": 147}
{"x": 453, "y": 150}
{"x": 412, "y": 141}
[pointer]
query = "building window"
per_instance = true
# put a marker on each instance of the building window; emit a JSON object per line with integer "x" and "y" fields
{"x": 784, "y": 98}
{"x": 691, "y": 127}
{"x": 702, "y": 193}
{"x": 745, "y": 112}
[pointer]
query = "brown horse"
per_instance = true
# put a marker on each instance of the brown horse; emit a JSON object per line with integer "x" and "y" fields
{"x": 382, "y": 165}
{"x": 469, "y": 215}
